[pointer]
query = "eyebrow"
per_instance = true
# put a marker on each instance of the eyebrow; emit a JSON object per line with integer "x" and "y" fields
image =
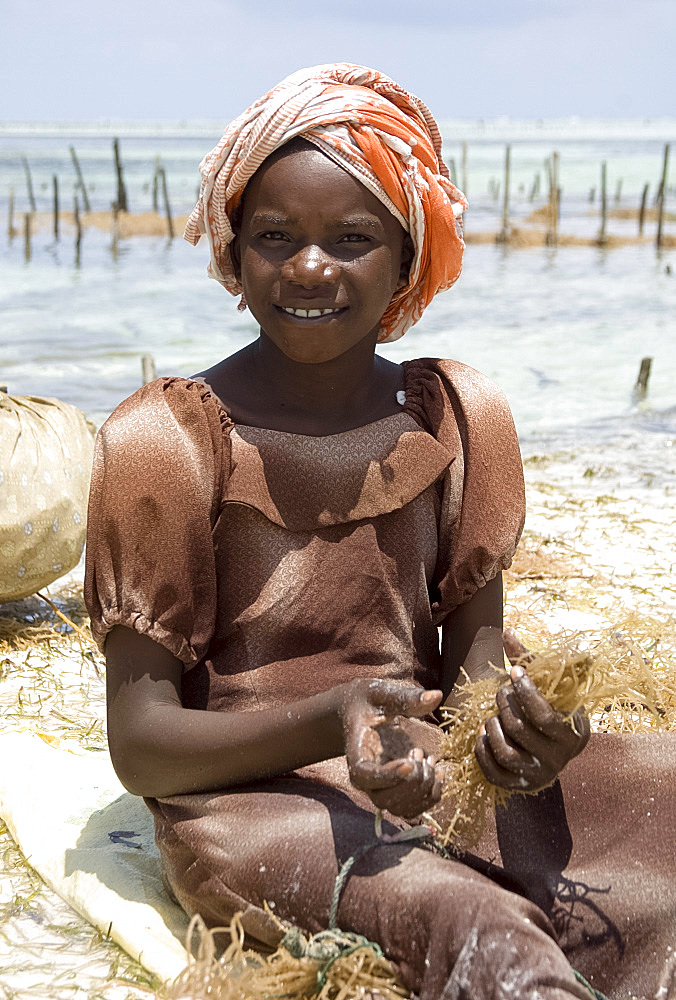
{"x": 352, "y": 222}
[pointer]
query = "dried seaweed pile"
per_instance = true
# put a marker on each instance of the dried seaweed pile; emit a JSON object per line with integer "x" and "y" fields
{"x": 328, "y": 966}
{"x": 39, "y": 622}
{"x": 625, "y": 677}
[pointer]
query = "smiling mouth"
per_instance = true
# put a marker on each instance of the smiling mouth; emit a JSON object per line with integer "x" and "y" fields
{"x": 310, "y": 313}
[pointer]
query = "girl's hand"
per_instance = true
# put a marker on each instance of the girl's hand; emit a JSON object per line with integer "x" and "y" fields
{"x": 382, "y": 760}
{"x": 527, "y": 743}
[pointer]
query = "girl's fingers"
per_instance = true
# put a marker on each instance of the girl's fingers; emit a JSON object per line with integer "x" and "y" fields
{"x": 514, "y": 648}
{"x": 535, "y": 709}
{"x": 538, "y": 720}
{"x": 518, "y": 729}
{"x": 528, "y": 739}
{"x": 370, "y": 775}
{"x": 414, "y": 768}
{"x": 403, "y": 699}
{"x": 523, "y": 780}
{"x": 506, "y": 753}
{"x": 413, "y": 795}
{"x": 581, "y": 731}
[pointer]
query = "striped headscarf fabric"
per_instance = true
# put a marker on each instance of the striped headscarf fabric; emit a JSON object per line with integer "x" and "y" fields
{"x": 374, "y": 129}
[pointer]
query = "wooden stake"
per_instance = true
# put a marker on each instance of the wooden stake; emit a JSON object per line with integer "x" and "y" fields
{"x": 80, "y": 179}
{"x": 618, "y": 191}
{"x": 641, "y": 387}
{"x": 148, "y": 371}
{"x": 27, "y": 236}
{"x": 663, "y": 197}
{"x": 603, "y": 237}
{"x": 464, "y": 168}
{"x": 504, "y": 235}
{"x": 552, "y": 237}
{"x": 115, "y": 232}
{"x": 10, "y": 216}
{"x": 641, "y": 212}
{"x": 55, "y": 184}
{"x": 78, "y": 230}
{"x": 453, "y": 171}
{"x": 535, "y": 189}
{"x": 167, "y": 209}
{"x": 29, "y": 184}
{"x": 121, "y": 202}
{"x": 155, "y": 185}
{"x": 592, "y": 194}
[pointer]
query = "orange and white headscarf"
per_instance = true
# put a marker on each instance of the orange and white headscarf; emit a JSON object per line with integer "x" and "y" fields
{"x": 374, "y": 129}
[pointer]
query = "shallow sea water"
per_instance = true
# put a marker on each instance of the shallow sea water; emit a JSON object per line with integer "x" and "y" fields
{"x": 562, "y": 331}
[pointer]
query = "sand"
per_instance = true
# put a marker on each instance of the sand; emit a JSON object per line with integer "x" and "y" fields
{"x": 129, "y": 224}
{"x": 530, "y": 232}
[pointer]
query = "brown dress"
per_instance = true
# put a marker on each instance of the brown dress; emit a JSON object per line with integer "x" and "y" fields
{"x": 277, "y": 565}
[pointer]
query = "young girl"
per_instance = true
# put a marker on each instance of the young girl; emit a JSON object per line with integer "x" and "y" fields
{"x": 274, "y": 543}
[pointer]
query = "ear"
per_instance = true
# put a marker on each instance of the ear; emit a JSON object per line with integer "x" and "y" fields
{"x": 407, "y": 255}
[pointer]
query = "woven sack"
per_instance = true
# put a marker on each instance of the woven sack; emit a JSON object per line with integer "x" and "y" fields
{"x": 45, "y": 463}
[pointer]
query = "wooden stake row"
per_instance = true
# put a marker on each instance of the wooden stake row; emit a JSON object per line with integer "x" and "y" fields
{"x": 554, "y": 197}
{"x": 160, "y": 182}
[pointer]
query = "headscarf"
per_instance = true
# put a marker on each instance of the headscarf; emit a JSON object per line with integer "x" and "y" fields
{"x": 374, "y": 129}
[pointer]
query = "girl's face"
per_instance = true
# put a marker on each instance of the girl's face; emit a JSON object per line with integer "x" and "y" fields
{"x": 319, "y": 256}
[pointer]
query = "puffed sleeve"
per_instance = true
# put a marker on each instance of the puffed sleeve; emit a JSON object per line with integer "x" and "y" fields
{"x": 483, "y": 499}
{"x": 159, "y": 466}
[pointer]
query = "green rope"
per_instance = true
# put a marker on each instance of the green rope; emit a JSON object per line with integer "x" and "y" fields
{"x": 341, "y": 879}
{"x": 326, "y": 948}
{"x": 384, "y": 840}
{"x": 330, "y": 945}
{"x": 595, "y": 993}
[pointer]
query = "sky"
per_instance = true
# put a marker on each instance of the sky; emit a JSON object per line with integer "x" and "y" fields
{"x": 70, "y": 60}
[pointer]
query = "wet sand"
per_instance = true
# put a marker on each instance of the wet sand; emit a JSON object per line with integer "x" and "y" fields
{"x": 529, "y": 232}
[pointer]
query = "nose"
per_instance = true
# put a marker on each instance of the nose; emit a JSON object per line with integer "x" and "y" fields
{"x": 311, "y": 266}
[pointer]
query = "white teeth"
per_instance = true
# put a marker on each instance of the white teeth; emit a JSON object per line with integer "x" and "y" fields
{"x": 309, "y": 313}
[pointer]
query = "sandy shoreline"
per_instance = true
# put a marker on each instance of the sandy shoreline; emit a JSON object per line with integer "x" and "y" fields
{"x": 596, "y": 550}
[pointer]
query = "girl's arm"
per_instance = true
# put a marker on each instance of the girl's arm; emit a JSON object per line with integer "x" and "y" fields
{"x": 159, "y": 748}
{"x": 526, "y": 744}
{"x": 472, "y": 640}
